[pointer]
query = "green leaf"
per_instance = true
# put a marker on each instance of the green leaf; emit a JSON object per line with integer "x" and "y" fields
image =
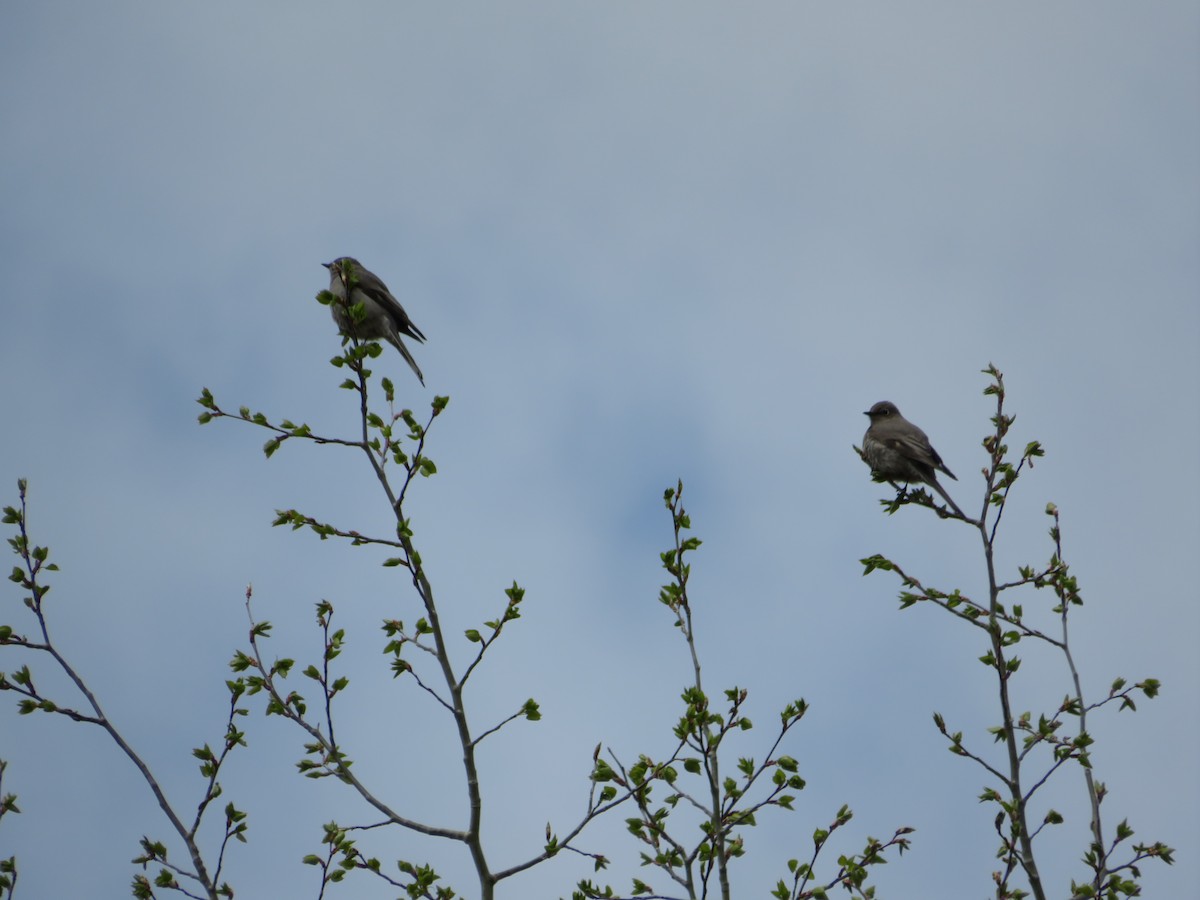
{"x": 871, "y": 563}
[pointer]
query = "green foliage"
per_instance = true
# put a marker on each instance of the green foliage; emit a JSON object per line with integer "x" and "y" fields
{"x": 8, "y": 867}
{"x": 689, "y": 780}
{"x": 1033, "y": 749}
{"x": 689, "y": 807}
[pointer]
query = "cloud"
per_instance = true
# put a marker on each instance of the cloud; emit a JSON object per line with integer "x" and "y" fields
{"x": 645, "y": 242}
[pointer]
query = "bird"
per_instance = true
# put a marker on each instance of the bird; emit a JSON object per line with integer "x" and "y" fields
{"x": 384, "y": 316}
{"x": 898, "y": 450}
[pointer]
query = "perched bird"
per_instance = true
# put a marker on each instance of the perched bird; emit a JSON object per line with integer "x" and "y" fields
{"x": 898, "y": 450}
{"x": 385, "y": 318}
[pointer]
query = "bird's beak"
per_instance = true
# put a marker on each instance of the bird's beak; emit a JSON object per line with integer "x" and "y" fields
{"x": 866, "y": 412}
{"x": 327, "y": 265}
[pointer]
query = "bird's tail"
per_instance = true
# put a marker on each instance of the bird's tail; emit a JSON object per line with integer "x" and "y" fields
{"x": 933, "y": 482}
{"x": 399, "y": 345}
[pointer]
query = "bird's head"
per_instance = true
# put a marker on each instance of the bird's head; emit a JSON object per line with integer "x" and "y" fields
{"x": 884, "y": 409}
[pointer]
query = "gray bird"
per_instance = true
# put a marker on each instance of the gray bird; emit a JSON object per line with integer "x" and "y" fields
{"x": 898, "y": 450}
{"x": 385, "y": 317}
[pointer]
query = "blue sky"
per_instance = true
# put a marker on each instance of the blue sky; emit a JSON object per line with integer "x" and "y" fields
{"x": 645, "y": 241}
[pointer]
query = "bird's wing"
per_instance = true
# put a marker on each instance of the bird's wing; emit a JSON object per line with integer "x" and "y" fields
{"x": 370, "y": 284}
{"x": 915, "y": 445}
{"x": 916, "y": 448}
